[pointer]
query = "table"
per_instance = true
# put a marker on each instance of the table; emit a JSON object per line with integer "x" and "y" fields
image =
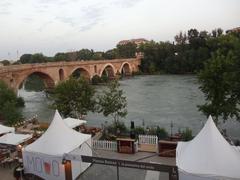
{"x": 126, "y": 145}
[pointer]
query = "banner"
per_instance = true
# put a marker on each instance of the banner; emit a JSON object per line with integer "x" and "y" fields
{"x": 44, "y": 166}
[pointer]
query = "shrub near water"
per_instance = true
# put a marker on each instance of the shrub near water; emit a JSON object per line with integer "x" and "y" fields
{"x": 10, "y": 103}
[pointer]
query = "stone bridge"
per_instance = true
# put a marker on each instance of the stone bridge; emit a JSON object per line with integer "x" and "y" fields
{"x": 54, "y": 72}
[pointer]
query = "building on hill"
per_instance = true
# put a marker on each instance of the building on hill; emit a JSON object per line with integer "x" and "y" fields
{"x": 136, "y": 41}
{"x": 237, "y": 29}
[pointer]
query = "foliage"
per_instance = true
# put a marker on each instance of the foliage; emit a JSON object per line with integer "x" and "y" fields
{"x": 161, "y": 133}
{"x": 117, "y": 126}
{"x": 96, "y": 80}
{"x": 219, "y": 80}
{"x": 25, "y": 58}
{"x": 85, "y": 54}
{"x": 9, "y": 105}
{"x": 127, "y": 51}
{"x": 187, "y": 134}
{"x": 188, "y": 55}
{"x": 5, "y": 62}
{"x": 74, "y": 97}
{"x": 33, "y": 58}
{"x": 10, "y": 113}
{"x": 111, "y": 54}
{"x": 139, "y": 130}
{"x": 112, "y": 102}
{"x": 34, "y": 83}
{"x": 60, "y": 57}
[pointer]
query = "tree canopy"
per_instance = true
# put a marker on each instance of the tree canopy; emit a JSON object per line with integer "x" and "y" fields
{"x": 10, "y": 103}
{"x": 112, "y": 102}
{"x": 74, "y": 97}
{"x": 219, "y": 80}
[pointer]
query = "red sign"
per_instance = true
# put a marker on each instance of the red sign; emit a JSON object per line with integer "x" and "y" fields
{"x": 47, "y": 167}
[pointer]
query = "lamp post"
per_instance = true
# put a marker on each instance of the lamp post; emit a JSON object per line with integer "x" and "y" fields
{"x": 171, "y": 127}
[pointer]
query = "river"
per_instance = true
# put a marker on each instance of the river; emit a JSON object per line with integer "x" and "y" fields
{"x": 153, "y": 99}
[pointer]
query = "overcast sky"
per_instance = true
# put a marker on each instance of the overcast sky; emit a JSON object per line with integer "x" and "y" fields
{"x": 51, "y": 26}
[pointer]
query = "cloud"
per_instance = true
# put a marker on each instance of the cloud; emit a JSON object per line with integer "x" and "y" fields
{"x": 4, "y": 7}
{"x": 43, "y": 26}
{"x": 83, "y": 18}
{"x": 67, "y": 20}
{"x": 4, "y": 12}
{"x": 27, "y": 19}
{"x": 126, "y": 3}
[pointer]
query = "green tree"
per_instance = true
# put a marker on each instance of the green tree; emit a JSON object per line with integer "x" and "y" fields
{"x": 5, "y": 62}
{"x": 161, "y": 133}
{"x": 187, "y": 134}
{"x": 97, "y": 55}
{"x": 111, "y": 54}
{"x": 127, "y": 50}
{"x": 60, "y": 57}
{"x": 38, "y": 58}
{"x": 181, "y": 38}
{"x": 25, "y": 58}
{"x": 219, "y": 80}
{"x": 10, "y": 103}
{"x": 74, "y": 97}
{"x": 85, "y": 54}
{"x": 10, "y": 113}
{"x": 113, "y": 103}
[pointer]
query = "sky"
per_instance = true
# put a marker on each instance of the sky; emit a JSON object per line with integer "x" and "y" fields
{"x": 51, "y": 26}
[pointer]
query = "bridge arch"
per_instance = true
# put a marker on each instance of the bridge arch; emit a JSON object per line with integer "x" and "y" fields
{"x": 61, "y": 74}
{"x": 125, "y": 69}
{"x": 48, "y": 80}
{"x": 81, "y": 72}
{"x": 109, "y": 70}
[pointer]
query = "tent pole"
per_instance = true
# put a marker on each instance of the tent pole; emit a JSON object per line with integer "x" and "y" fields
{"x": 68, "y": 170}
{"x": 117, "y": 172}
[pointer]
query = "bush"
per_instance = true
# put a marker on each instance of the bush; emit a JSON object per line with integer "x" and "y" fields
{"x": 20, "y": 102}
{"x": 117, "y": 126}
{"x": 96, "y": 80}
{"x": 161, "y": 133}
{"x": 187, "y": 134}
{"x": 139, "y": 130}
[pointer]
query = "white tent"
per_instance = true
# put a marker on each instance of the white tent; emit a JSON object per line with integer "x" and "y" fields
{"x": 14, "y": 139}
{"x": 44, "y": 157}
{"x": 6, "y": 129}
{"x": 208, "y": 156}
{"x": 72, "y": 122}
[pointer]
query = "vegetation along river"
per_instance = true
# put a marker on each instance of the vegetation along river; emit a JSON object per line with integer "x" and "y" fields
{"x": 152, "y": 100}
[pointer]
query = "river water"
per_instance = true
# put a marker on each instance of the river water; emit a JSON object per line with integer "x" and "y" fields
{"x": 152, "y": 100}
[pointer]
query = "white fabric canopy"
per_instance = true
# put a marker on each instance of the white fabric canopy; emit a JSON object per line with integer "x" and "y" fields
{"x": 72, "y": 123}
{"x": 208, "y": 155}
{"x": 58, "y": 139}
{"x": 14, "y": 139}
{"x": 44, "y": 156}
{"x": 6, "y": 129}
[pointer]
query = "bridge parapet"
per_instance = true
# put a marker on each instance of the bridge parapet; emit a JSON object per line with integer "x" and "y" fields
{"x": 64, "y": 63}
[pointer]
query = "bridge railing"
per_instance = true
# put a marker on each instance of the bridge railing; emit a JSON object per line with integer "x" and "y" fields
{"x": 4, "y": 69}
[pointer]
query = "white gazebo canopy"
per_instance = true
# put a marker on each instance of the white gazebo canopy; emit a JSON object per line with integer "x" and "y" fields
{"x": 14, "y": 139}
{"x": 58, "y": 139}
{"x": 48, "y": 151}
{"x": 72, "y": 122}
{"x": 208, "y": 155}
{"x": 6, "y": 129}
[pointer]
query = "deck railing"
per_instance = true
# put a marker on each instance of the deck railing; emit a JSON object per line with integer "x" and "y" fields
{"x": 104, "y": 145}
{"x": 147, "y": 139}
